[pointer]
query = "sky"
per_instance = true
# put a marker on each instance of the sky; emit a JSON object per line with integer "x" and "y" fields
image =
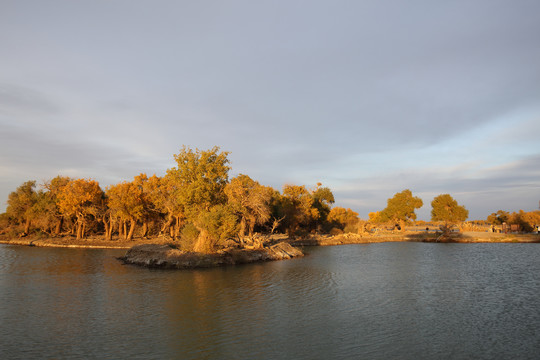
{"x": 367, "y": 97}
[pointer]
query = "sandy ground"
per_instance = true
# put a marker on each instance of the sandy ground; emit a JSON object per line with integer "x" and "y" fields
{"x": 321, "y": 240}
{"x": 90, "y": 242}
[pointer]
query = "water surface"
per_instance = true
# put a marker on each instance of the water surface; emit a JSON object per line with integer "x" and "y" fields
{"x": 377, "y": 301}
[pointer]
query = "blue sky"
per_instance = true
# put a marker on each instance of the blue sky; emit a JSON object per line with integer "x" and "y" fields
{"x": 367, "y": 97}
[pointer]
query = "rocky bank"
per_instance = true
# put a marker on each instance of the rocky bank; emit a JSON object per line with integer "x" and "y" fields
{"x": 164, "y": 256}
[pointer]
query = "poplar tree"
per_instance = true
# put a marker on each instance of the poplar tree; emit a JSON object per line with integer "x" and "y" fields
{"x": 447, "y": 210}
{"x": 197, "y": 184}
{"x": 21, "y": 204}
{"x": 81, "y": 198}
{"x": 400, "y": 208}
{"x": 250, "y": 200}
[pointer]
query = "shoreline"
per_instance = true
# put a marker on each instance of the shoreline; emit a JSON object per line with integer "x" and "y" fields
{"x": 316, "y": 240}
{"x": 162, "y": 253}
{"x": 467, "y": 237}
{"x": 166, "y": 257}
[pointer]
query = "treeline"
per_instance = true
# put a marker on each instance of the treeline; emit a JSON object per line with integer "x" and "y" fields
{"x": 194, "y": 203}
{"x": 525, "y": 221}
{"x": 197, "y": 205}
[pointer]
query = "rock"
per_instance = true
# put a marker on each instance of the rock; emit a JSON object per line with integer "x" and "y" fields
{"x": 163, "y": 256}
{"x": 283, "y": 250}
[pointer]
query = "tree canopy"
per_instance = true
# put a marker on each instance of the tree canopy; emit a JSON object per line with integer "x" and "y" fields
{"x": 21, "y": 204}
{"x": 196, "y": 204}
{"x": 499, "y": 217}
{"x": 250, "y": 200}
{"x": 446, "y": 209}
{"x": 80, "y": 198}
{"x": 400, "y": 208}
{"x": 199, "y": 178}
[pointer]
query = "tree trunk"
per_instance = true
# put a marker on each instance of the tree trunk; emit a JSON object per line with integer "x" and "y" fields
{"x": 107, "y": 231}
{"x": 203, "y": 244}
{"x": 79, "y": 231}
{"x": 27, "y": 226}
{"x": 178, "y": 225}
{"x": 251, "y": 226}
{"x": 59, "y": 224}
{"x": 108, "y": 227}
{"x": 242, "y": 232}
{"x": 124, "y": 228}
{"x": 167, "y": 225}
{"x": 144, "y": 229}
{"x": 131, "y": 229}
{"x": 80, "y": 223}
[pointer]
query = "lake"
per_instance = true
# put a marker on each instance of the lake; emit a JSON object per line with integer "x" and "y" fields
{"x": 373, "y": 301}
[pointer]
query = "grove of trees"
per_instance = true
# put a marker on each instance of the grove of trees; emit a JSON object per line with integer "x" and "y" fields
{"x": 526, "y": 221}
{"x": 196, "y": 204}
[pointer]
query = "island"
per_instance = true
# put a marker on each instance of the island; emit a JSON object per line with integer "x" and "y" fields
{"x": 196, "y": 216}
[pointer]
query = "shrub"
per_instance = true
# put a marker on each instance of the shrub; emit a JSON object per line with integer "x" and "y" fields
{"x": 188, "y": 236}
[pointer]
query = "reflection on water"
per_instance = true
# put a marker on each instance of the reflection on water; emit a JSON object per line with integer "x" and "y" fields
{"x": 393, "y": 300}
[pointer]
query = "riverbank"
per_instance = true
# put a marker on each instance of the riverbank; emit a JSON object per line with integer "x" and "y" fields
{"x": 98, "y": 242}
{"x": 87, "y": 243}
{"x": 463, "y": 237}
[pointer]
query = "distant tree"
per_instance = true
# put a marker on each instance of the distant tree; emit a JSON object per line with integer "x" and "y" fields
{"x": 400, "y": 208}
{"x": 344, "y": 219}
{"x": 163, "y": 200}
{"x": 21, "y": 204}
{"x": 250, "y": 200}
{"x": 149, "y": 212}
{"x": 521, "y": 218}
{"x": 532, "y": 218}
{"x": 498, "y": 218}
{"x": 125, "y": 200}
{"x": 323, "y": 198}
{"x": 277, "y": 211}
{"x": 375, "y": 217}
{"x": 447, "y": 210}
{"x": 80, "y": 198}
{"x": 298, "y": 207}
{"x": 50, "y": 201}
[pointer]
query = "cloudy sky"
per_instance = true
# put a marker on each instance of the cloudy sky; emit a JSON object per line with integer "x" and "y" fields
{"x": 369, "y": 97}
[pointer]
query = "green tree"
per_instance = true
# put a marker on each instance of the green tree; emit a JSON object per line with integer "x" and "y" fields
{"x": 216, "y": 225}
{"x": 447, "y": 210}
{"x": 323, "y": 198}
{"x": 400, "y": 208}
{"x": 21, "y": 204}
{"x": 197, "y": 184}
